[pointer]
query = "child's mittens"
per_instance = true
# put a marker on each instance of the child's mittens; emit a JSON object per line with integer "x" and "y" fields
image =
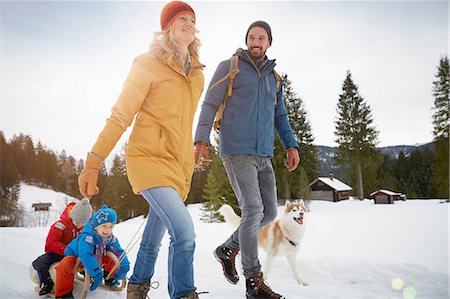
{"x": 121, "y": 273}
{"x": 98, "y": 278}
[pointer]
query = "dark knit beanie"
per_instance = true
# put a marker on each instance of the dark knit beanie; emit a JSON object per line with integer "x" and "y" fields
{"x": 264, "y": 26}
{"x": 172, "y": 10}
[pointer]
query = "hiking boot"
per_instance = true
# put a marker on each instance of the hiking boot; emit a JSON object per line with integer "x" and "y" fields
{"x": 190, "y": 295}
{"x": 257, "y": 288}
{"x": 47, "y": 287}
{"x": 227, "y": 257}
{"x": 140, "y": 290}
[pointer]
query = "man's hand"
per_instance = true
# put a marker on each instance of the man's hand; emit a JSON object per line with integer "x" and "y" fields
{"x": 201, "y": 154}
{"x": 292, "y": 159}
{"x": 87, "y": 181}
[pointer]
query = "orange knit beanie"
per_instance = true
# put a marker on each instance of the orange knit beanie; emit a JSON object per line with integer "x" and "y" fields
{"x": 172, "y": 10}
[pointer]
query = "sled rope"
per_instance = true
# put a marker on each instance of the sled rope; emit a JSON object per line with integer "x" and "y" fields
{"x": 130, "y": 246}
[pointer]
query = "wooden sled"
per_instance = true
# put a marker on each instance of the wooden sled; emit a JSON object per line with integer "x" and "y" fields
{"x": 83, "y": 276}
{"x": 87, "y": 277}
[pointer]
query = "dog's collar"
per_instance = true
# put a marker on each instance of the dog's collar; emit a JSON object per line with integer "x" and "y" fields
{"x": 287, "y": 239}
{"x": 290, "y": 241}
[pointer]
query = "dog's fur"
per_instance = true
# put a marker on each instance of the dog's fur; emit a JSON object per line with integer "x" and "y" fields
{"x": 282, "y": 237}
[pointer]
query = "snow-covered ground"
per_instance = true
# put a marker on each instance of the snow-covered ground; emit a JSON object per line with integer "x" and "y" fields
{"x": 351, "y": 249}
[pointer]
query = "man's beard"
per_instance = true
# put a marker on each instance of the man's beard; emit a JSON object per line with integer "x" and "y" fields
{"x": 258, "y": 56}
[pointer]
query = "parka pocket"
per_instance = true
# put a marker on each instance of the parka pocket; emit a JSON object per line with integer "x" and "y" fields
{"x": 161, "y": 136}
{"x": 145, "y": 140}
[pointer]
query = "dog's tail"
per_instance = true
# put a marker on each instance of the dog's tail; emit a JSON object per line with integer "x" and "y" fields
{"x": 230, "y": 216}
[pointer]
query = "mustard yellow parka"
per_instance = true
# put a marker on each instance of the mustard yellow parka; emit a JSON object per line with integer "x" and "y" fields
{"x": 160, "y": 150}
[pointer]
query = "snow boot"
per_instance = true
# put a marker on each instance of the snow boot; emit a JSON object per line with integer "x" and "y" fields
{"x": 140, "y": 290}
{"x": 227, "y": 257}
{"x": 47, "y": 287}
{"x": 257, "y": 288}
{"x": 190, "y": 295}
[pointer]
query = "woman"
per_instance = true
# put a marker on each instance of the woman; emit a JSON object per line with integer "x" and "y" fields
{"x": 162, "y": 91}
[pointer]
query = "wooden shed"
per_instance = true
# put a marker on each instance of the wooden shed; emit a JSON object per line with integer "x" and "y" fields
{"x": 386, "y": 196}
{"x": 41, "y": 206}
{"x": 329, "y": 188}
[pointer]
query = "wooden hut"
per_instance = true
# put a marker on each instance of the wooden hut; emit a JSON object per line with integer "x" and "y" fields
{"x": 41, "y": 206}
{"x": 329, "y": 188}
{"x": 386, "y": 196}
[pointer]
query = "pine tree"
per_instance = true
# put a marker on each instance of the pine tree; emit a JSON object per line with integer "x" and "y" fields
{"x": 301, "y": 128}
{"x": 9, "y": 186}
{"x": 420, "y": 174}
{"x": 118, "y": 192}
{"x": 114, "y": 190}
{"x": 217, "y": 190}
{"x": 401, "y": 173}
{"x": 198, "y": 183}
{"x": 292, "y": 185}
{"x": 284, "y": 179}
{"x": 22, "y": 148}
{"x": 355, "y": 132}
{"x": 386, "y": 175}
{"x": 441, "y": 123}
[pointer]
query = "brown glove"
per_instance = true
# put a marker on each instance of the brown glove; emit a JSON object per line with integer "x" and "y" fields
{"x": 87, "y": 181}
{"x": 292, "y": 159}
{"x": 201, "y": 153}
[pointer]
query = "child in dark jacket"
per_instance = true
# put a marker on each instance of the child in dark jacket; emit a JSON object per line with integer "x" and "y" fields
{"x": 91, "y": 247}
{"x": 67, "y": 228}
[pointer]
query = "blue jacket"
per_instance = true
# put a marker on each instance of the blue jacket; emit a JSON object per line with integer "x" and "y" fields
{"x": 250, "y": 116}
{"x": 90, "y": 248}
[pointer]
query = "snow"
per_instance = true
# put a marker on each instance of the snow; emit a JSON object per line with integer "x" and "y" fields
{"x": 351, "y": 249}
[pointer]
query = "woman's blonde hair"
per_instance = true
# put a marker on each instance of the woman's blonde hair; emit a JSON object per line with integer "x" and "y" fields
{"x": 165, "y": 45}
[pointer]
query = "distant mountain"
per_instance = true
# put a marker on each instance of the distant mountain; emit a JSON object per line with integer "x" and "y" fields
{"x": 394, "y": 151}
{"x": 325, "y": 155}
{"x": 325, "y": 158}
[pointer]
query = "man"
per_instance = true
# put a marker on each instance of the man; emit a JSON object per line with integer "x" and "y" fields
{"x": 253, "y": 110}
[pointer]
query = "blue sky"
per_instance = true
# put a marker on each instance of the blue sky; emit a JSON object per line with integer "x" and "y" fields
{"x": 63, "y": 63}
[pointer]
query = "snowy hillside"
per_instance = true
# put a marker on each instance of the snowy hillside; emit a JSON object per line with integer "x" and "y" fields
{"x": 30, "y": 195}
{"x": 351, "y": 249}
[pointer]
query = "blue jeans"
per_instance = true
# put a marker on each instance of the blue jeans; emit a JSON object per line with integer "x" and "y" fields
{"x": 253, "y": 181}
{"x": 167, "y": 211}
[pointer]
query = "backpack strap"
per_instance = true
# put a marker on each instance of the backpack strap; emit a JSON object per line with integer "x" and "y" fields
{"x": 233, "y": 71}
{"x": 278, "y": 83}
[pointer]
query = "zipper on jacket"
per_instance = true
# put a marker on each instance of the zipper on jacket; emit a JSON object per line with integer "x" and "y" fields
{"x": 253, "y": 63}
{"x": 267, "y": 83}
{"x": 256, "y": 68}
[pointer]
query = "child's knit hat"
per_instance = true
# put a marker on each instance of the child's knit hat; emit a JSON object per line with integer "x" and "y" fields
{"x": 104, "y": 215}
{"x": 81, "y": 212}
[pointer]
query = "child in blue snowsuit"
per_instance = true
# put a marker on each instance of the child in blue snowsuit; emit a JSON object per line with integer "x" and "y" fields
{"x": 91, "y": 246}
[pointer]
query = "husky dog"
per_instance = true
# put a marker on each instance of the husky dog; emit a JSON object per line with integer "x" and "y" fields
{"x": 282, "y": 237}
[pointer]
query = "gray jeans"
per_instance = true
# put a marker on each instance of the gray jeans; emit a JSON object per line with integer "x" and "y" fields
{"x": 253, "y": 181}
